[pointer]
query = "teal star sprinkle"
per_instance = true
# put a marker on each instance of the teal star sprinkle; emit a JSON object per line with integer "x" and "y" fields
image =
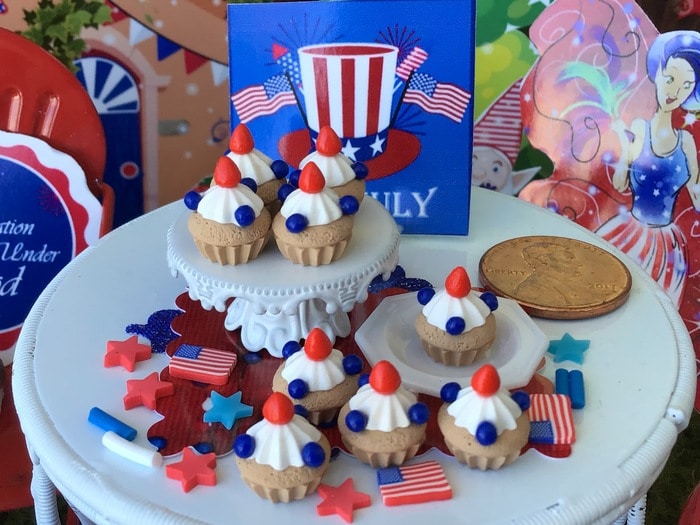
{"x": 568, "y": 349}
{"x": 226, "y": 410}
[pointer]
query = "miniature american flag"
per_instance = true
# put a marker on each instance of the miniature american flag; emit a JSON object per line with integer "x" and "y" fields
{"x": 551, "y": 419}
{"x": 198, "y": 363}
{"x": 265, "y": 99}
{"x": 417, "y": 483}
{"x": 413, "y": 61}
{"x": 448, "y": 100}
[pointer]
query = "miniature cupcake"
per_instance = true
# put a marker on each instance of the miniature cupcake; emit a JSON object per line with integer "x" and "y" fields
{"x": 314, "y": 225}
{"x": 383, "y": 424}
{"x": 342, "y": 176}
{"x": 318, "y": 377}
{"x": 283, "y": 457}
{"x": 483, "y": 425}
{"x": 456, "y": 325}
{"x": 230, "y": 224}
{"x": 268, "y": 174}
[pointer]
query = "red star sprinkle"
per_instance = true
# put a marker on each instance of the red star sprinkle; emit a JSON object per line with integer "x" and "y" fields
{"x": 126, "y": 353}
{"x": 146, "y": 391}
{"x": 341, "y": 500}
{"x": 193, "y": 470}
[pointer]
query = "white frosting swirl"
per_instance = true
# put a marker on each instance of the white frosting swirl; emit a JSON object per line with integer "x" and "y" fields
{"x": 442, "y": 306}
{"x": 254, "y": 165}
{"x": 337, "y": 170}
{"x": 220, "y": 204}
{"x": 319, "y": 208}
{"x": 384, "y": 412}
{"x": 318, "y": 375}
{"x": 471, "y": 408}
{"x": 280, "y": 445}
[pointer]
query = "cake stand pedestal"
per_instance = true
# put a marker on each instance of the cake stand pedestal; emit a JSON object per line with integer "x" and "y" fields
{"x": 275, "y": 300}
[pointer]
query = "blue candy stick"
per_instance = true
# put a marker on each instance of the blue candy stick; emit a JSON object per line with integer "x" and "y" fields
{"x": 103, "y": 420}
{"x": 576, "y": 390}
{"x": 561, "y": 381}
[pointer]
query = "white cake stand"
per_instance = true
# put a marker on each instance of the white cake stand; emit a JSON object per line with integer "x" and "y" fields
{"x": 275, "y": 300}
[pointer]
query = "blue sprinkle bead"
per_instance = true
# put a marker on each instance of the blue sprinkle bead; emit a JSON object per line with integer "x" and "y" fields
{"x": 250, "y": 184}
{"x": 486, "y": 433}
{"x": 356, "y": 421}
{"x": 296, "y": 223}
{"x": 244, "y": 446}
{"x": 361, "y": 170}
{"x": 490, "y": 299}
{"x": 352, "y": 364}
{"x": 159, "y": 442}
{"x": 297, "y": 389}
{"x": 244, "y": 215}
{"x": 294, "y": 178}
{"x": 425, "y": 295}
{"x": 349, "y": 205}
{"x": 203, "y": 447}
{"x": 300, "y": 410}
{"x": 192, "y": 199}
{"x": 280, "y": 168}
{"x": 289, "y": 348}
{"x": 522, "y": 398}
{"x": 362, "y": 380}
{"x": 449, "y": 391}
{"x": 284, "y": 191}
{"x": 313, "y": 454}
{"x": 418, "y": 413}
{"x": 455, "y": 325}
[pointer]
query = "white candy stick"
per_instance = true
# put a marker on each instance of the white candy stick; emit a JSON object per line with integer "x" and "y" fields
{"x": 131, "y": 451}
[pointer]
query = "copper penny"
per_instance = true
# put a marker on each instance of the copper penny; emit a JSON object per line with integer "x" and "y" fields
{"x": 556, "y": 277}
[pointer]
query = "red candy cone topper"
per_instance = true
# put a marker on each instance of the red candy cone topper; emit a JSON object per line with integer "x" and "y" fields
{"x": 384, "y": 378}
{"x": 486, "y": 381}
{"x": 311, "y": 179}
{"x": 241, "y": 141}
{"x": 327, "y": 143}
{"x": 317, "y": 346}
{"x": 226, "y": 173}
{"x": 457, "y": 283}
{"x": 278, "y": 409}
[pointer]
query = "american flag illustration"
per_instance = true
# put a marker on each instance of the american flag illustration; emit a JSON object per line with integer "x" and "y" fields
{"x": 198, "y": 363}
{"x": 413, "y": 61}
{"x": 417, "y": 483}
{"x": 266, "y": 99}
{"x": 501, "y": 126}
{"x": 551, "y": 419}
{"x": 441, "y": 98}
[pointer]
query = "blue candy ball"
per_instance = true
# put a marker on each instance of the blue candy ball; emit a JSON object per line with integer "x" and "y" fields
{"x": 244, "y": 215}
{"x": 297, "y": 389}
{"x": 244, "y": 446}
{"x": 313, "y": 454}
{"x": 522, "y": 399}
{"x": 449, "y": 391}
{"x": 490, "y": 299}
{"x": 294, "y": 178}
{"x": 349, "y": 205}
{"x": 455, "y": 325}
{"x": 300, "y": 410}
{"x": 356, "y": 421}
{"x": 296, "y": 223}
{"x": 425, "y": 295}
{"x": 363, "y": 380}
{"x": 280, "y": 168}
{"x": 289, "y": 348}
{"x": 486, "y": 433}
{"x": 284, "y": 191}
{"x": 204, "y": 447}
{"x": 250, "y": 184}
{"x": 352, "y": 364}
{"x": 192, "y": 199}
{"x": 418, "y": 413}
{"x": 360, "y": 170}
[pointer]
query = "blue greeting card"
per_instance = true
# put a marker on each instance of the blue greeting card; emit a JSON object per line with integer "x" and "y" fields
{"x": 394, "y": 79}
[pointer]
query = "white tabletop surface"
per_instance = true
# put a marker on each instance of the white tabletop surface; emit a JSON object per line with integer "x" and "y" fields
{"x": 639, "y": 375}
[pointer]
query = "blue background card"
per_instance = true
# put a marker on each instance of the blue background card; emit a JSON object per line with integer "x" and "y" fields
{"x": 393, "y": 78}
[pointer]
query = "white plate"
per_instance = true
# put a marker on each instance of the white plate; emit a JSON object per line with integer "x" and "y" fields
{"x": 389, "y": 333}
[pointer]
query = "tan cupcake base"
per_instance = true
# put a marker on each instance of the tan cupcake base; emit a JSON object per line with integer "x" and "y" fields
{"x": 232, "y": 255}
{"x": 356, "y": 188}
{"x": 316, "y": 245}
{"x": 456, "y": 350}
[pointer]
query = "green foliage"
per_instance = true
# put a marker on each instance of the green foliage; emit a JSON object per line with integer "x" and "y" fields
{"x": 56, "y": 26}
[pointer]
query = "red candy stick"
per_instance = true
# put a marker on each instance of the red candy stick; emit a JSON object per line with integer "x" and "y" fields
{"x": 278, "y": 409}
{"x": 226, "y": 173}
{"x": 384, "y": 378}
{"x": 486, "y": 381}
{"x": 241, "y": 141}
{"x": 327, "y": 143}
{"x": 311, "y": 179}
{"x": 317, "y": 346}
{"x": 457, "y": 283}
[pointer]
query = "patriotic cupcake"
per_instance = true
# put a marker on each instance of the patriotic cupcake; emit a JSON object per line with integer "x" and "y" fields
{"x": 342, "y": 176}
{"x": 484, "y": 426}
{"x": 383, "y": 423}
{"x": 314, "y": 225}
{"x": 317, "y": 377}
{"x": 456, "y": 325}
{"x": 229, "y": 223}
{"x": 268, "y": 174}
{"x": 283, "y": 457}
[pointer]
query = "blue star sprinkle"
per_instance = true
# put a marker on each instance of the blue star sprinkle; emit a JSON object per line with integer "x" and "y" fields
{"x": 157, "y": 329}
{"x": 568, "y": 349}
{"x": 226, "y": 410}
{"x": 398, "y": 279}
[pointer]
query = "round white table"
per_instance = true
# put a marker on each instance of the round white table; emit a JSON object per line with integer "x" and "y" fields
{"x": 639, "y": 376}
